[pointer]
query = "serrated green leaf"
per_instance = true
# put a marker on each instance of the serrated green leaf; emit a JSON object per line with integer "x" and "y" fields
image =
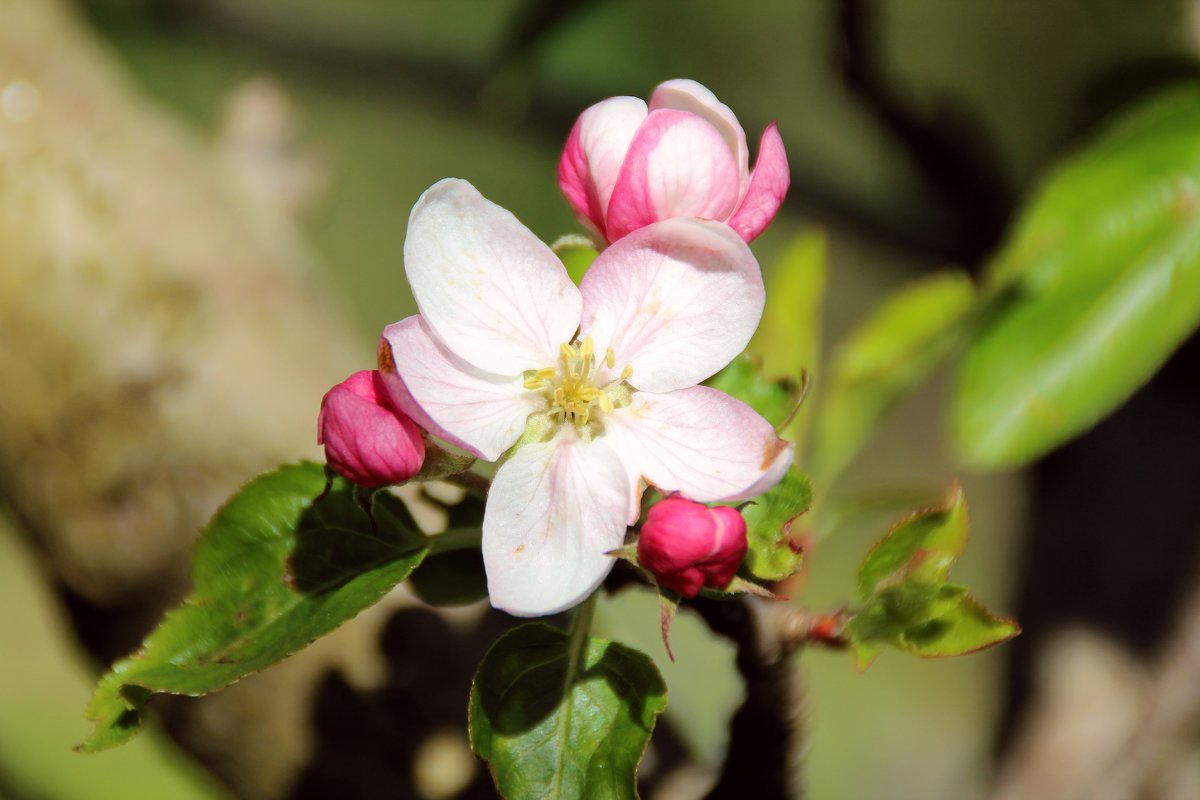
{"x": 455, "y": 578}
{"x": 744, "y": 379}
{"x": 902, "y": 607}
{"x": 788, "y": 339}
{"x": 553, "y": 727}
{"x": 770, "y": 555}
{"x": 275, "y": 569}
{"x": 967, "y": 628}
{"x": 1100, "y": 283}
{"x": 922, "y": 546}
{"x": 908, "y": 601}
{"x": 884, "y": 360}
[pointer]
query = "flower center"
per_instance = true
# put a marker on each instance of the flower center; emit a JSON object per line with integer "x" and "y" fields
{"x": 571, "y": 390}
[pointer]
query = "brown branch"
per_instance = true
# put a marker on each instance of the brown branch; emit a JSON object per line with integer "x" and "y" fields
{"x": 766, "y": 735}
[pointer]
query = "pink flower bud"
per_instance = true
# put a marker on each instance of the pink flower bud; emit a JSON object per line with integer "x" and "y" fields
{"x": 688, "y": 545}
{"x": 366, "y": 439}
{"x": 627, "y": 164}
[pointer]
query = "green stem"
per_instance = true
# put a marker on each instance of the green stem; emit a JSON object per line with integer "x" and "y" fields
{"x": 581, "y": 626}
{"x": 473, "y": 482}
{"x": 456, "y": 539}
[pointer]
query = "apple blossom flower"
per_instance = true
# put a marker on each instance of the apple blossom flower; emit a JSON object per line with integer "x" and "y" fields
{"x": 626, "y": 164}
{"x": 368, "y": 440}
{"x": 595, "y": 384}
{"x": 687, "y": 545}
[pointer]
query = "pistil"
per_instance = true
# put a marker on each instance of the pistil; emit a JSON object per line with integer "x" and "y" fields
{"x": 570, "y": 389}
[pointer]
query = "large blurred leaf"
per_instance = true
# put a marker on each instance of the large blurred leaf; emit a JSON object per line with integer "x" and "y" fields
{"x": 557, "y": 717}
{"x": 883, "y": 360}
{"x": 275, "y": 569}
{"x": 788, "y": 339}
{"x": 1102, "y": 278}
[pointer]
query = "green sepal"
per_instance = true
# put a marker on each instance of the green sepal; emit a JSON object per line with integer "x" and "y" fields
{"x": 275, "y": 569}
{"x": 577, "y": 253}
{"x": 771, "y": 553}
{"x": 441, "y": 463}
{"x": 556, "y": 722}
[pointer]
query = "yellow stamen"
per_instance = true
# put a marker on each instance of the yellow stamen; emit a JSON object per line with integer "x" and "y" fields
{"x": 570, "y": 389}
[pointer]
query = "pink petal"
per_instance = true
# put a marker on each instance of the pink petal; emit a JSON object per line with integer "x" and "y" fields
{"x": 699, "y": 442}
{"x": 768, "y": 186}
{"x": 365, "y": 438}
{"x": 687, "y": 95}
{"x": 555, "y": 508}
{"x": 490, "y": 291}
{"x": 678, "y": 166}
{"x": 478, "y": 411}
{"x": 676, "y": 300}
{"x": 593, "y": 156}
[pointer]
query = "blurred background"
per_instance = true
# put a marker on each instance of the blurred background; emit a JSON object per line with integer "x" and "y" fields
{"x": 202, "y": 213}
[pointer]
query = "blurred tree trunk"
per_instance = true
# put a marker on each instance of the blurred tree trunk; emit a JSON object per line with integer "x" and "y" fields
{"x": 164, "y": 337}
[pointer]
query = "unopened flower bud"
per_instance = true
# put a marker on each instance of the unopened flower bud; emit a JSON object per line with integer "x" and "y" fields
{"x": 366, "y": 439}
{"x": 688, "y": 545}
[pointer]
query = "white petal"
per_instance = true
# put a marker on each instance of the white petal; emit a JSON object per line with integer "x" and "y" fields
{"x": 700, "y": 442}
{"x": 687, "y": 95}
{"x": 676, "y": 300}
{"x": 553, "y": 511}
{"x": 478, "y": 411}
{"x": 487, "y": 287}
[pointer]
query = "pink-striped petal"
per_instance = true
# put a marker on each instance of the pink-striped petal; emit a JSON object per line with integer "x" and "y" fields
{"x": 555, "y": 508}
{"x": 491, "y": 292}
{"x": 592, "y": 158}
{"x": 687, "y": 95}
{"x": 676, "y": 301}
{"x": 699, "y": 442}
{"x": 768, "y": 186}
{"x": 480, "y": 412}
{"x": 678, "y": 166}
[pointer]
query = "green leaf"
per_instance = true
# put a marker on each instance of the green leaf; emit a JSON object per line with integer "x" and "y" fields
{"x": 275, "y": 569}
{"x": 770, "y": 555}
{"x": 924, "y": 546}
{"x": 1098, "y": 285}
{"x": 788, "y": 339}
{"x": 967, "y": 628}
{"x": 557, "y": 721}
{"x": 743, "y": 378}
{"x": 884, "y": 360}
{"x": 455, "y": 578}
{"x": 909, "y": 603}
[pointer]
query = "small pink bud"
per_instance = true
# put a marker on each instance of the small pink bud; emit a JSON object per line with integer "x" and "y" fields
{"x": 688, "y": 545}
{"x": 366, "y": 439}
